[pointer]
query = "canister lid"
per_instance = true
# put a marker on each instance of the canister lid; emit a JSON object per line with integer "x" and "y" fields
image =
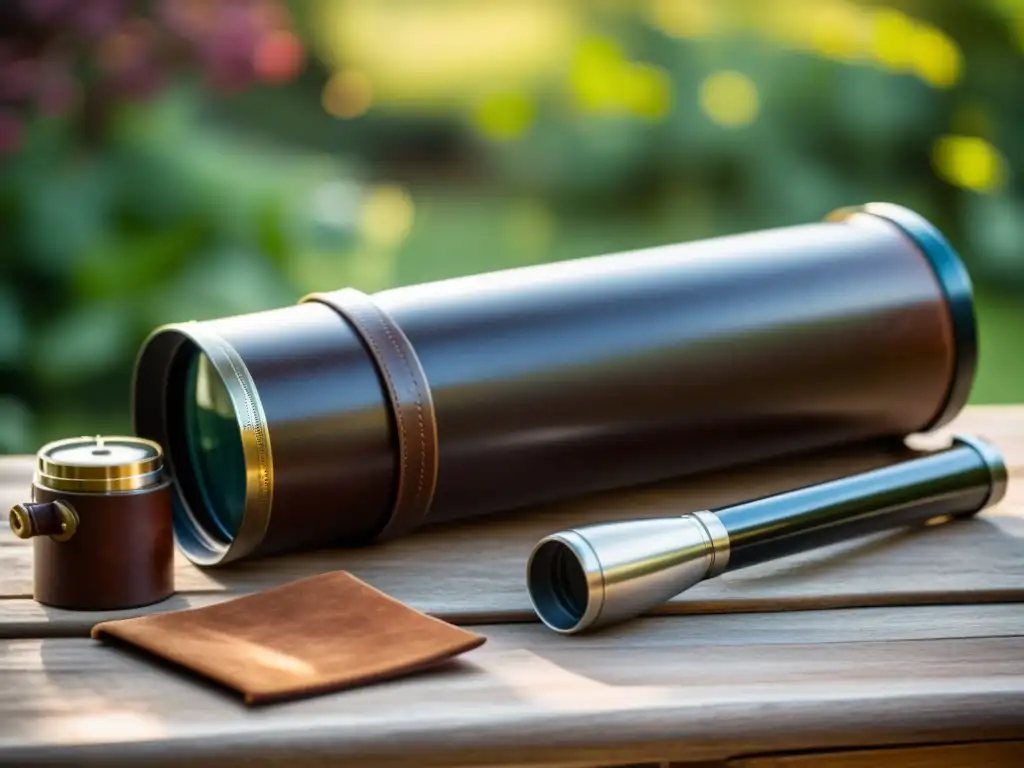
{"x": 99, "y": 464}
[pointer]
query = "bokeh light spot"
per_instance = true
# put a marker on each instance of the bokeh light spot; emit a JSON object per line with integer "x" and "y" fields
{"x": 504, "y": 117}
{"x": 969, "y": 162}
{"x": 936, "y": 57}
{"x": 386, "y": 216}
{"x": 647, "y": 90}
{"x": 838, "y": 30}
{"x": 595, "y": 75}
{"x": 430, "y": 55}
{"x": 603, "y": 81}
{"x": 893, "y": 33}
{"x": 683, "y": 18}
{"x": 126, "y": 47}
{"x": 192, "y": 18}
{"x": 279, "y": 57}
{"x": 268, "y": 14}
{"x": 347, "y": 94}
{"x": 729, "y": 98}
{"x": 335, "y": 207}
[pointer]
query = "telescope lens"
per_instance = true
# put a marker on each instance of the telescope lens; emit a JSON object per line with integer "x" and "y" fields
{"x": 558, "y": 585}
{"x": 216, "y": 457}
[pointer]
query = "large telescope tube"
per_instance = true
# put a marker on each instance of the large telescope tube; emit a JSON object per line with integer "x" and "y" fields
{"x": 348, "y": 418}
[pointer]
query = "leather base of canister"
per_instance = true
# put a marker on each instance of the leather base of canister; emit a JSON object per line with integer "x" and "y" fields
{"x": 121, "y": 555}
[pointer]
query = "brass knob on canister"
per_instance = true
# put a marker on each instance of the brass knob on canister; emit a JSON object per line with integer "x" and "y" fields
{"x": 55, "y": 519}
{"x": 100, "y": 524}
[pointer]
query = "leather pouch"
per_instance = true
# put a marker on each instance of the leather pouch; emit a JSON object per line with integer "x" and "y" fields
{"x": 315, "y": 635}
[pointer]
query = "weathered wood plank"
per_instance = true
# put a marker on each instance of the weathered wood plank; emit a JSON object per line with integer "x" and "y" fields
{"x": 473, "y": 571}
{"x": 847, "y": 625}
{"x": 899, "y": 569}
{"x": 528, "y": 696}
{"x": 998, "y": 754}
{"x": 25, "y": 619}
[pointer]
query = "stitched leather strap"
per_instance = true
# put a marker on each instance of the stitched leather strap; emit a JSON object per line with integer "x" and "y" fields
{"x": 412, "y": 405}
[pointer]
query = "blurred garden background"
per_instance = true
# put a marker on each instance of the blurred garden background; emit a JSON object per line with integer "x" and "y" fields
{"x": 187, "y": 159}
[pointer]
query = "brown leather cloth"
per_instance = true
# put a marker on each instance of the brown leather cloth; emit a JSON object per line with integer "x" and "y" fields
{"x": 312, "y": 636}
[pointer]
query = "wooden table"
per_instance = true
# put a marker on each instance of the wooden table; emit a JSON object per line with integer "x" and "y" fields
{"x": 904, "y": 649}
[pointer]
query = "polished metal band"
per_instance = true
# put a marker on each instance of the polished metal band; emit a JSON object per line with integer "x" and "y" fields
{"x": 151, "y": 415}
{"x": 590, "y": 564}
{"x": 411, "y": 403}
{"x": 954, "y": 282}
{"x": 718, "y": 538}
{"x": 99, "y": 478}
{"x": 255, "y": 434}
{"x": 993, "y": 459}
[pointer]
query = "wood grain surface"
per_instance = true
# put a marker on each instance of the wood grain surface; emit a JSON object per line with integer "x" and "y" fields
{"x": 997, "y": 754}
{"x": 531, "y": 696}
{"x": 879, "y": 649}
{"x": 472, "y": 572}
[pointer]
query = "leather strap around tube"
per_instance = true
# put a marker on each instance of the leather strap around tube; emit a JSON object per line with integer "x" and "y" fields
{"x": 412, "y": 405}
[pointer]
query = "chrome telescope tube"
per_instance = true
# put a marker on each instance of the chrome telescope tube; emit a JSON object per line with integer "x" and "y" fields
{"x": 595, "y": 575}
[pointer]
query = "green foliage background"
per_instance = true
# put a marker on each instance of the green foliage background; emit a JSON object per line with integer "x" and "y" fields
{"x": 195, "y": 207}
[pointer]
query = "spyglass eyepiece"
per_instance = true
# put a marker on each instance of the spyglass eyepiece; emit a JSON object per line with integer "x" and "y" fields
{"x": 348, "y": 418}
{"x": 558, "y": 582}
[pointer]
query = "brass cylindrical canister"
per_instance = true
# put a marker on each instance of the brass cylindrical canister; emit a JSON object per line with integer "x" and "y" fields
{"x": 351, "y": 418}
{"x": 100, "y": 523}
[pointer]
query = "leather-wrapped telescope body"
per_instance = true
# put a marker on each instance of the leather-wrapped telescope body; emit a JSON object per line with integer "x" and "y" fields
{"x": 349, "y": 418}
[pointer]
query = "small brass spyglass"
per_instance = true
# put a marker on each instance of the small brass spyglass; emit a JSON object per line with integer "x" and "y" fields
{"x": 595, "y": 575}
{"x": 100, "y": 524}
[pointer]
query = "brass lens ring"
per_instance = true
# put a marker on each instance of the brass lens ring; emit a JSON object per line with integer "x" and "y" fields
{"x": 197, "y": 543}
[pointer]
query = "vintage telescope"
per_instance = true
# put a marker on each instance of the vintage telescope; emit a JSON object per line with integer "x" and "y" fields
{"x": 597, "y": 575}
{"x": 349, "y": 418}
